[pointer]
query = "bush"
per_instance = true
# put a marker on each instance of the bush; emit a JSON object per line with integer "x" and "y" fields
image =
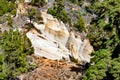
{"x": 3, "y": 7}
{"x": 100, "y": 66}
{"x": 115, "y": 68}
{"x": 38, "y": 3}
{"x": 10, "y": 21}
{"x": 34, "y": 15}
{"x": 16, "y": 47}
{"x": 80, "y": 24}
{"x": 58, "y": 12}
{"x": 7, "y": 6}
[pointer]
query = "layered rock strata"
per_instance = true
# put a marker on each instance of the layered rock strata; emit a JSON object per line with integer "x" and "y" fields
{"x": 55, "y": 42}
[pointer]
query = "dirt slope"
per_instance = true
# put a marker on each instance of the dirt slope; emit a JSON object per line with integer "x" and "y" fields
{"x": 54, "y": 70}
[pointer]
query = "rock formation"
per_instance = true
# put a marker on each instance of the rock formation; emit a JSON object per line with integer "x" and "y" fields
{"x": 55, "y": 41}
{"x": 52, "y": 39}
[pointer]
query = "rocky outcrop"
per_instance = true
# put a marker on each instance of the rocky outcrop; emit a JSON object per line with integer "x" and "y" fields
{"x": 53, "y": 41}
{"x": 45, "y": 47}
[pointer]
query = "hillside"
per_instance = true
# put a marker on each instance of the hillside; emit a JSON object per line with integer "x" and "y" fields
{"x": 59, "y": 40}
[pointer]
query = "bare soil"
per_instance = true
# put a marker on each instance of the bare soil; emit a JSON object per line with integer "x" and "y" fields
{"x": 54, "y": 70}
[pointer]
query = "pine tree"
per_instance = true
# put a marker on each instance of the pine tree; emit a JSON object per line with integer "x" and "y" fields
{"x": 58, "y": 11}
{"x": 104, "y": 33}
{"x": 16, "y": 47}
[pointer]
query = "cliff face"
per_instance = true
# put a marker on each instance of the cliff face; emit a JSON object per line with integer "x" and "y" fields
{"x": 55, "y": 41}
{"x": 52, "y": 39}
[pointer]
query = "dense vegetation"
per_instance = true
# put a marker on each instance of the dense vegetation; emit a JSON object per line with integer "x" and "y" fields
{"x": 15, "y": 47}
{"x": 104, "y": 35}
{"x": 13, "y": 55}
{"x": 7, "y": 6}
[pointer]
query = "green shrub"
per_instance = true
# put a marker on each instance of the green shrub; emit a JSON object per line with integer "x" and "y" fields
{"x": 58, "y": 11}
{"x": 38, "y": 3}
{"x": 115, "y": 68}
{"x": 101, "y": 61}
{"x": 80, "y": 24}
{"x": 7, "y": 6}
{"x": 10, "y": 21}
{"x": 16, "y": 47}
{"x": 3, "y": 7}
{"x": 13, "y": 12}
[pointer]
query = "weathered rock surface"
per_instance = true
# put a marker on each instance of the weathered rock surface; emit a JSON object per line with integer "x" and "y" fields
{"x": 54, "y": 41}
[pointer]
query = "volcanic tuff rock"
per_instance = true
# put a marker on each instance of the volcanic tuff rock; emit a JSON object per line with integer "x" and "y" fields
{"x": 53, "y": 41}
